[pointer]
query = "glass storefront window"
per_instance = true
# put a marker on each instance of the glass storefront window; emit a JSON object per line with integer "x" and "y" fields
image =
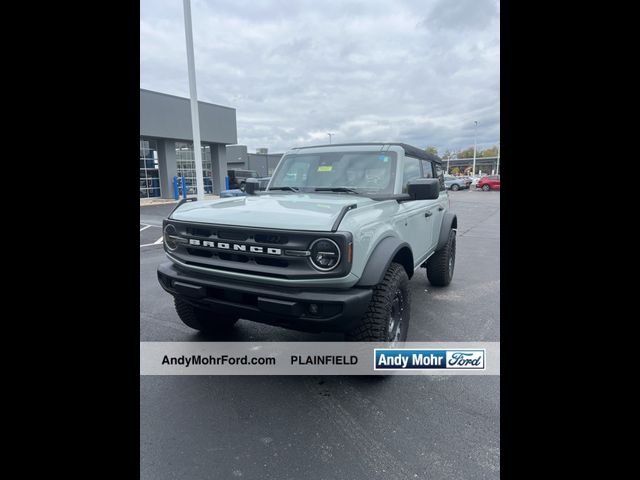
{"x": 186, "y": 167}
{"x": 149, "y": 173}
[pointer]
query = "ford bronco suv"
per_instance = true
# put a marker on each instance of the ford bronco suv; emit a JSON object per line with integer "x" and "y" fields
{"x": 330, "y": 245}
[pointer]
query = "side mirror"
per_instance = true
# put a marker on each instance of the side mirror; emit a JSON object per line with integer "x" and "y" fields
{"x": 424, "y": 189}
{"x": 251, "y": 185}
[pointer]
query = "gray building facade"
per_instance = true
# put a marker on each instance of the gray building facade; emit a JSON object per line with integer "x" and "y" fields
{"x": 166, "y": 144}
{"x": 263, "y": 163}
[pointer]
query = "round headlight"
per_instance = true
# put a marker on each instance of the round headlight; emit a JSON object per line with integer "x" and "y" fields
{"x": 325, "y": 254}
{"x": 168, "y": 232}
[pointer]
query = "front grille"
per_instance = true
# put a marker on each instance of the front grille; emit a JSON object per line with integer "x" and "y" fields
{"x": 234, "y": 257}
{"x": 226, "y": 235}
{"x": 273, "y": 239}
{"x": 253, "y": 251}
{"x": 199, "y": 232}
{"x": 198, "y": 252}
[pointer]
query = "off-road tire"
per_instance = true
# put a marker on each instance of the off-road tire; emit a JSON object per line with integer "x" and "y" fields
{"x": 439, "y": 270}
{"x": 486, "y": 188}
{"x": 374, "y": 324}
{"x": 455, "y": 187}
{"x": 201, "y": 319}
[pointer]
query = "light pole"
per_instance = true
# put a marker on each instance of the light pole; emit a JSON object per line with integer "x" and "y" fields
{"x": 498, "y": 165}
{"x": 330, "y": 135}
{"x": 195, "y": 117}
{"x": 475, "y": 136}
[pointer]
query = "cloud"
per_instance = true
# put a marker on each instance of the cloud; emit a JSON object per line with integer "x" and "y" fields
{"x": 414, "y": 71}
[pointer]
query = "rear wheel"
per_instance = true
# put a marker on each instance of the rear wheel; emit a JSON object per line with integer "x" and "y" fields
{"x": 486, "y": 188}
{"x": 455, "y": 187}
{"x": 441, "y": 264}
{"x": 387, "y": 317}
{"x": 201, "y": 319}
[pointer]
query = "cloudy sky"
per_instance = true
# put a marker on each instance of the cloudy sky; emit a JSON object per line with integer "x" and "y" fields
{"x": 416, "y": 71}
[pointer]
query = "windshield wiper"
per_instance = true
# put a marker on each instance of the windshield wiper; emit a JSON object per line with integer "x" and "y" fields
{"x": 336, "y": 189}
{"x": 286, "y": 187}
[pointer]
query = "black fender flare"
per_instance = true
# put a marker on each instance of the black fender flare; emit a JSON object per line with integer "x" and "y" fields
{"x": 381, "y": 258}
{"x": 449, "y": 221}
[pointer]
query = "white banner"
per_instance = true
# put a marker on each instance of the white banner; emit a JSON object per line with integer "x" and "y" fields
{"x": 319, "y": 358}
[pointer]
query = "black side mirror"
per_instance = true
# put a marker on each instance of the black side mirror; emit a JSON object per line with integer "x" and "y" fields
{"x": 251, "y": 185}
{"x": 424, "y": 189}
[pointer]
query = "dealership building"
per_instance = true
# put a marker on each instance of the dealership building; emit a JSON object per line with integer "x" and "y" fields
{"x": 166, "y": 144}
{"x": 262, "y": 162}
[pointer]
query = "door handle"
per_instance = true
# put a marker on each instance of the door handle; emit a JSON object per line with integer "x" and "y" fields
{"x": 428, "y": 213}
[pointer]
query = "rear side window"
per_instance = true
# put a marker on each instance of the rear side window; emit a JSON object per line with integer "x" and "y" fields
{"x": 427, "y": 169}
{"x": 440, "y": 175}
{"x": 411, "y": 171}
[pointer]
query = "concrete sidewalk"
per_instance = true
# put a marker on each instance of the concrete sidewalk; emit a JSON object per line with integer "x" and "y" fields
{"x": 164, "y": 201}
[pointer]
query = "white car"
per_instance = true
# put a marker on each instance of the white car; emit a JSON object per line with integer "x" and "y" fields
{"x": 475, "y": 180}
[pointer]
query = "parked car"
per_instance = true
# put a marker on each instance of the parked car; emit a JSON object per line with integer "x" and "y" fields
{"x": 490, "y": 182}
{"x": 467, "y": 180}
{"x": 455, "y": 183}
{"x": 237, "y": 178}
{"x": 475, "y": 179}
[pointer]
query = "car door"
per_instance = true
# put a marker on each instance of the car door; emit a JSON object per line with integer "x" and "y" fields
{"x": 415, "y": 220}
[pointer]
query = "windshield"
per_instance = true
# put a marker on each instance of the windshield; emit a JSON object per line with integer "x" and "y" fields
{"x": 363, "y": 172}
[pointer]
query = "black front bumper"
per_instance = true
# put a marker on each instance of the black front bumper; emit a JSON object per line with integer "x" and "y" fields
{"x": 334, "y": 311}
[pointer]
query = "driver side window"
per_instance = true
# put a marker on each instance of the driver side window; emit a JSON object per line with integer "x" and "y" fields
{"x": 411, "y": 171}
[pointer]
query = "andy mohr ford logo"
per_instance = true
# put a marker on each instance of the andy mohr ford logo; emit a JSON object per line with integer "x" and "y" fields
{"x": 407, "y": 359}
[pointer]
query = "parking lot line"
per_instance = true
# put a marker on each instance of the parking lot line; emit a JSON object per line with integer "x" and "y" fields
{"x": 145, "y": 227}
{"x": 157, "y": 242}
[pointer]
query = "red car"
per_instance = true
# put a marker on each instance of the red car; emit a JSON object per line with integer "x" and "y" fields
{"x": 490, "y": 182}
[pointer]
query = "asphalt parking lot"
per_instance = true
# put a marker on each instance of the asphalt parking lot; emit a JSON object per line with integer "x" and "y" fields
{"x": 279, "y": 427}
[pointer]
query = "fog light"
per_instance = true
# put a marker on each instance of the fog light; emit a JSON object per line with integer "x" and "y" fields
{"x": 313, "y": 308}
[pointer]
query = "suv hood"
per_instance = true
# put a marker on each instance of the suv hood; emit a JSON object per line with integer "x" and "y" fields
{"x": 288, "y": 211}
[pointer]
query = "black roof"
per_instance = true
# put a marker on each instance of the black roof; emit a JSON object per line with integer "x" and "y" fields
{"x": 410, "y": 150}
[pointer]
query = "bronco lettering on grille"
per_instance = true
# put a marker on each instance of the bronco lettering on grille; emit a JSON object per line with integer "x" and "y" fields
{"x": 236, "y": 247}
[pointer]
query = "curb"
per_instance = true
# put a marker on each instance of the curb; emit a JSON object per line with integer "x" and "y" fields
{"x": 146, "y": 202}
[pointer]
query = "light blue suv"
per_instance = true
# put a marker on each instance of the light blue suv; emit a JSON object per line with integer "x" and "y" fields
{"x": 330, "y": 245}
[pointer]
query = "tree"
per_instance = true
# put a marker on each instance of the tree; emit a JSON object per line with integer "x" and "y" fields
{"x": 489, "y": 152}
{"x": 432, "y": 150}
{"x": 466, "y": 153}
{"x": 455, "y": 171}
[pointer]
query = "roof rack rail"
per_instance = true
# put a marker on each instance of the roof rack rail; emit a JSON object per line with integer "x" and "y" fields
{"x": 410, "y": 150}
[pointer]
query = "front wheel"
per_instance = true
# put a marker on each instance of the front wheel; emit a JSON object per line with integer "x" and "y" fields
{"x": 455, "y": 187}
{"x": 441, "y": 264}
{"x": 486, "y": 188}
{"x": 388, "y": 313}
{"x": 201, "y": 319}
